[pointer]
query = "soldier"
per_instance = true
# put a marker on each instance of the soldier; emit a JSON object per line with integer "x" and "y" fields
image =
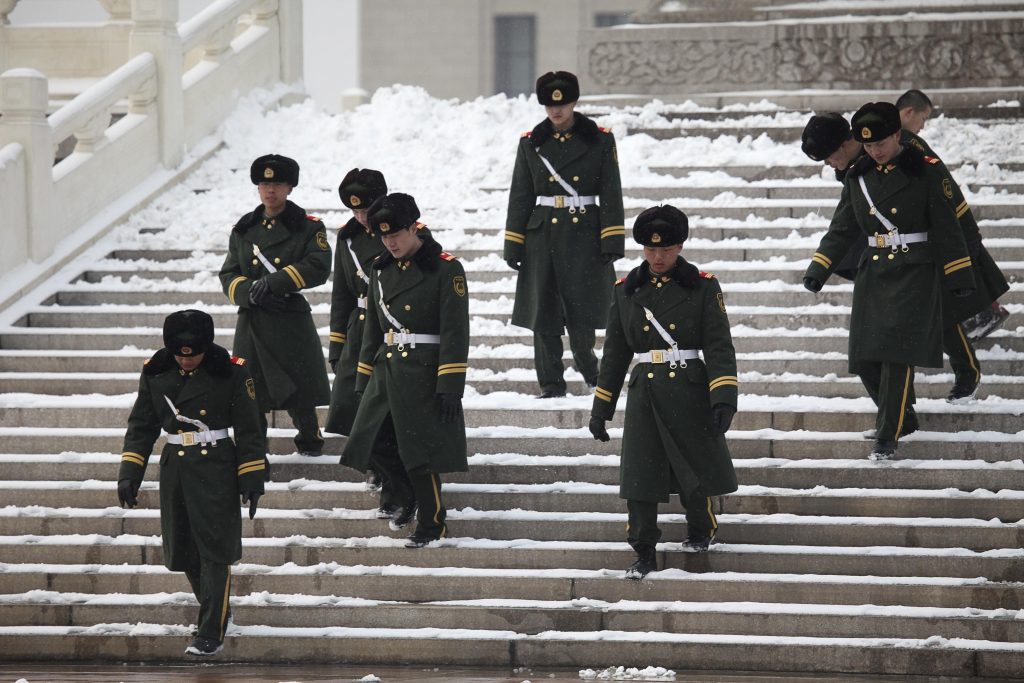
{"x": 413, "y": 362}
{"x": 563, "y": 231}
{"x": 978, "y": 321}
{"x": 195, "y": 392}
{"x": 666, "y": 314}
{"x": 896, "y": 200}
{"x": 275, "y": 252}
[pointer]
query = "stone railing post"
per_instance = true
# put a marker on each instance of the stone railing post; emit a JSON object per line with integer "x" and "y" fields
{"x": 289, "y": 25}
{"x": 155, "y": 30}
{"x": 24, "y": 96}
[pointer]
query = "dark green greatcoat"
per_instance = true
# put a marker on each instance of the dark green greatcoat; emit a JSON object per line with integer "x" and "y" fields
{"x": 283, "y": 348}
{"x": 668, "y": 412}
{"x": 897, "y": 296}
{"x": 199, "y": 484}
{"x": 427, "y": 295}
{"x": 563, "y": 279}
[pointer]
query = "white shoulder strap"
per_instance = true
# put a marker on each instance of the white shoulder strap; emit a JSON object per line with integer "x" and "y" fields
{"x": 385, "y": 311}
{"x": 355, "y": 260}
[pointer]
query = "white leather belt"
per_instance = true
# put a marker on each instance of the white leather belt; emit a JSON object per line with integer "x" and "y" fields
{"x": 889, "y": 240}
{"x": 361, "y": 302}
{"x": 667, "y": 356}
{"x": 192, "y": 438}
{"x": 565, "y": 201}
{"x": 402, "y": 338}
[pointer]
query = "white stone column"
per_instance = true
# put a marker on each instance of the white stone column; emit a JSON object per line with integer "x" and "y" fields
{"x": 24, "y": 95}
{"x": 155, "y": 30}
{"x": 289, "y": 21}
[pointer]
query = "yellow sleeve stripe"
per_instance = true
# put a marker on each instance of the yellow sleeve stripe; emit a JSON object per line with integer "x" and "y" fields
{"x": 725, "y": 381}
{"x": 364, "y": 369}
{"x": 613, "y": 231}
{"x": 234, "y": 284}
{"x": 822, "y": 259}
{"x": 251, "y": 466}
{"x": 452, "y": 365}
{"x": 516, "y": 237}
{"x": 950, "y": 268}
{"x": 962, "y": 209}
{"x": 338, "y": 337}
{"x": 603, "y": 394}
{"x": 133, "y": 457}
{"x": 452, "y": 371}
{"x": 296, "y": 276}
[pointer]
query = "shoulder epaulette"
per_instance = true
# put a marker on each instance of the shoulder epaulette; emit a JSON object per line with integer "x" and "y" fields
{"x": 620, "y": 280}
{"x": 604, "y": 130}
{"x": 146, "y": 362}
{"x": 237, "y": 361}
{"x": 446, "y": 256}
{"x": 312, "y": 218}
{"x": 707, "y": 276}
{"x": 420, "y": 226}
{"x": 526, "y": 134}
{"x": 932, "y": 160}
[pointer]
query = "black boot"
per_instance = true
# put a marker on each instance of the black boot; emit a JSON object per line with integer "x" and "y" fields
{"x": 697, "y": 542}
{"x": 884, "y": 449}
{"x": 646, "y": 562}
{"x": 963, "y": 391}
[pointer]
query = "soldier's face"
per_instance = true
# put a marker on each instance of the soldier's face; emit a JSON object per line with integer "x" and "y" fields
{"x": 560, "y": 115}
{"x": 401, "y": 244}
{"x": 661, "y": 259}
{"x": 914, "y": 120}
{"x": 189, "y": 363}
{"x": 274, "y": 195}
{"x": 883, "y": 150}
{"x": 361, "y": 216}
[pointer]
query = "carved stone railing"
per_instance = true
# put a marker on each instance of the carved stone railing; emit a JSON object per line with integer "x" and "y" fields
{"x": 132, "y": 126}
{"x": 909, "y": 51}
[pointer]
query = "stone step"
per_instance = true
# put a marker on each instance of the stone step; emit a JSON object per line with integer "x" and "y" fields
{"x": 25, "y": 471}
{"x": 74, "y": 517}
{"x": 804, "y": 169}
{"x": 51, "y": 608}
{"x": 510, "y": 650}
{"x": 984, "y": 446}
{"x": 1000, "y": 565}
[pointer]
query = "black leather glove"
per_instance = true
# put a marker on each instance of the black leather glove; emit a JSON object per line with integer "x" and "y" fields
{"x": 812, "y": 285}
{"x": 721, "y": 415}
{"x": 609, "y": 258}
{"x": 252, "y": 498}
{"x": 259, "y": 291}
{"x": 514, "y": 263}
{"x": 597, "y": 428}
{"x": 333, "y": 362}
{"x": 128, "y": 493}
{"x": 449, "y": 407}
{"x": 963, "y": 292}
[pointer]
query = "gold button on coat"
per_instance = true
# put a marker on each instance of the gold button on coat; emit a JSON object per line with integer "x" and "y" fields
{"x": 892, "y": 256}
{"x": 575, "y": 219}
{"x": 671, "y": 326}
{"x": 671, "y": 374}
{"x": 255, "y": 261}
{"x": 647, "y": 328}
{"x": 554, "y": 220}
{"x": 405, "y": 354}
{"x": 894, "y": 210}
{"x": 181, "y": 452}
{"x": 408, "y": 307}
{"x": 277, "y": 260}
{"x": 202, "y": 411}
{"x": 390, "y": 354}
{"x": 203, "y": 452}
{"x": 650, "y": 375}
{"x": 362, "y": 316}
{"x": 875, "y": 257}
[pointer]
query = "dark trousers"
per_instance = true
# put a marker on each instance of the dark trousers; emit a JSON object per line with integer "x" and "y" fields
{"x": 395, "y": 487}
{"x": 891, "y": 387}
{"x": 547, "y": 358}
{"x": 642, "y": 528}
{"x": 306, "y": 422}
{"x": 211, "y": 584}
{"x": 431, "y": 513}
{"x": 962, "y": 359}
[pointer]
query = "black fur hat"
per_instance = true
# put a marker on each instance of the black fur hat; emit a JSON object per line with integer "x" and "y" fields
{"x": 274, "y": 168}
{"x": 661, "y": 226}
{"x": 558, "y": 87}
{"x": 361, "y": 187}
{"x": 188, "y": 332}
{"x": 875, "y": 121}
{"x": 395, "y": 211}
{"x": 823, "y": 135}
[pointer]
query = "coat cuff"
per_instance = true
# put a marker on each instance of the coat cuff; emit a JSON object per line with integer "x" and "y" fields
{"x": 133, "y": 466}
{"x": 251, "y": 475}
{"x": 238, "y": 291}
{"x": 819, "y": 268}
{"x": 451, "y": 378}
{"x": 604, "y": 403}
{"x": 515, "y": 245}
{"x": 724, "y": 389}
{"x": 959, "y": 273}
{"x": 613, "y": 240}
{"x": 364, "y": 372}
{"x": 337, "y": 342}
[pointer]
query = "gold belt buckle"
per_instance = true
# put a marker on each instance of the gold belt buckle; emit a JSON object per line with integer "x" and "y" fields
{"x": 560, "y": 201}
{"x": 880, "y": 241}
{"x": 389, "y": 338}
{"x": 657, "y": 356}
{"x": 188, "y": 439}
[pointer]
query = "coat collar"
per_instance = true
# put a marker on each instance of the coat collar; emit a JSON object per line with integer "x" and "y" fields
{"x": 293, "y": 217}
{"x": 684, "y": 273}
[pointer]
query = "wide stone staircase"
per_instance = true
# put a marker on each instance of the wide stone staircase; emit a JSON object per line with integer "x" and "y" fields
{"x": 825, "y": 561}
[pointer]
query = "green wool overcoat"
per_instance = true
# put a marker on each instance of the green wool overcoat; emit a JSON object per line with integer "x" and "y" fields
{"x": 565, "y": 276}
{"x": 668, "y": 412}
{"x": 283, "y": 348}
{"x": 897, "y": 295}
{"x": 199, "y": 484}
{"x": 426, "y": 295}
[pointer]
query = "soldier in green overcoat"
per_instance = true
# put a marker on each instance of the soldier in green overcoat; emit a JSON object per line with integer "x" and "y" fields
{"x": 194, "y": 391}
{"x": 413, "y": 361}
{"x": 894, "y": 199}
{"x": 563, "y": 231}
{"x": 275, "y": 252}
{"x": 670, "y": 317}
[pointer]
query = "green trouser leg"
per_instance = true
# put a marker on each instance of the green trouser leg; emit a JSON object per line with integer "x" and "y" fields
{"x": 211, "y": 584}
{"x": 309, "y": 437}
{"x": 642, "y": 528}
{"x": 581, "y": 343}
{"x": 962, "y": 359}
{"x": 547, "y": 359}
{"x": 430, "y": 513}
{"x": 395, "y": 487}
{"x": 891, "y": 387}
{"x": 700, "y": 515}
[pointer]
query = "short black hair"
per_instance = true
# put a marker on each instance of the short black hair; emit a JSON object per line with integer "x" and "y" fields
{"x": 915, "y": 99}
